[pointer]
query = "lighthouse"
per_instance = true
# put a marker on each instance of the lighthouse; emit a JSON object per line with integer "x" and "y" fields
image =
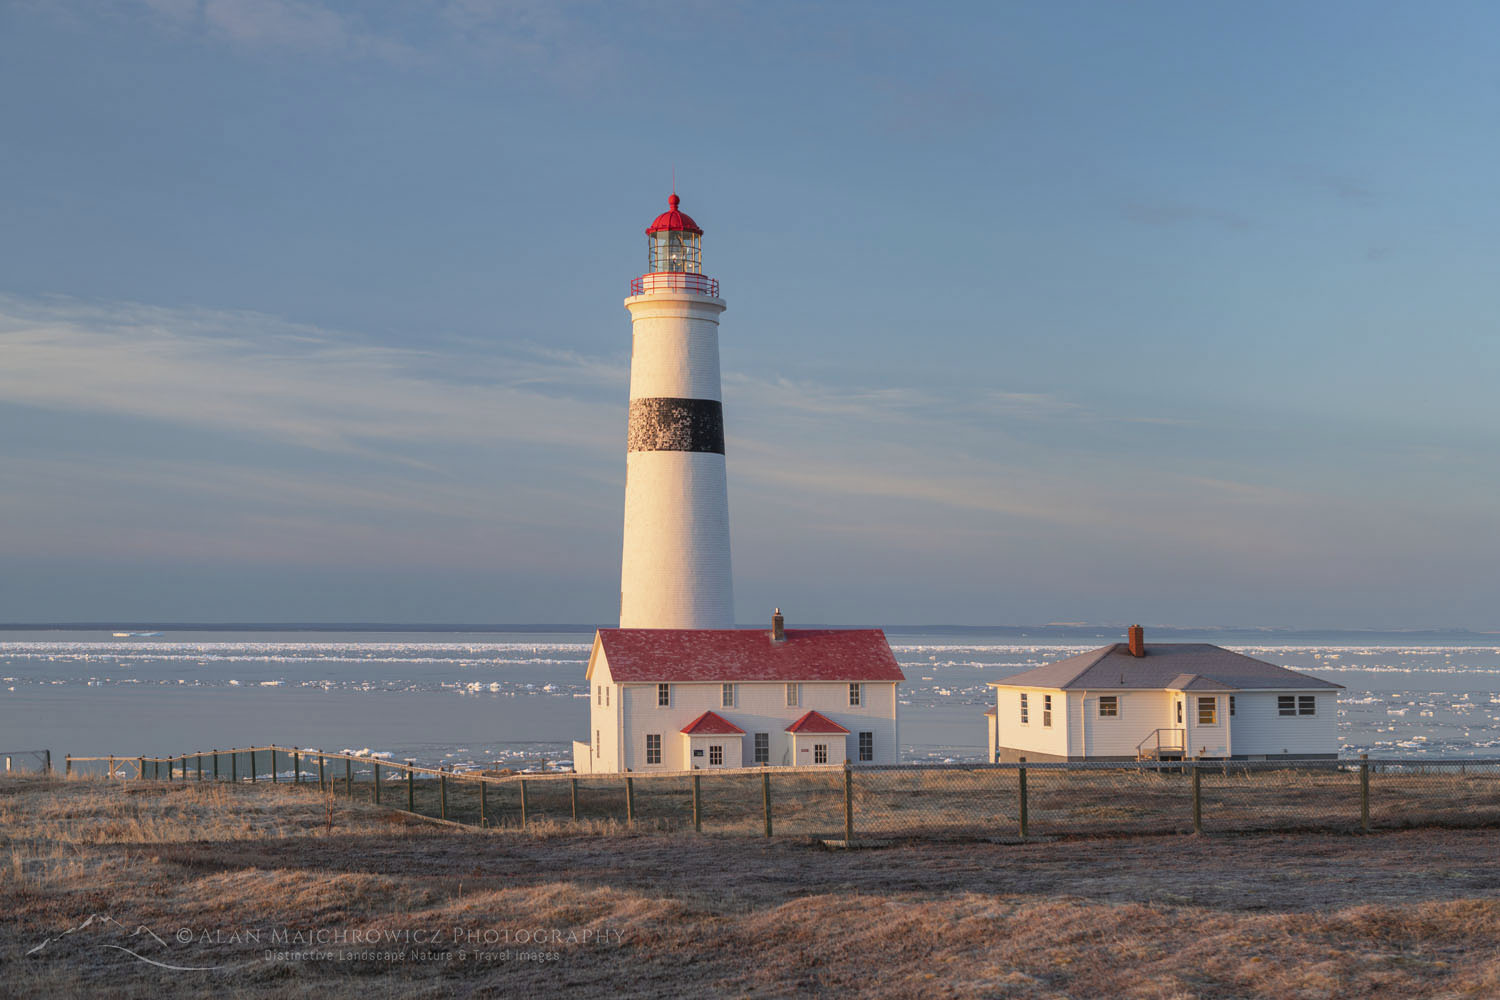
{"x": 674, "y": 567}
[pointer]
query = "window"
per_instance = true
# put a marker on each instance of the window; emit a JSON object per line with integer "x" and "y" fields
{"x": 1307, "y": 704}
{"x": 820, "y": 753}
{"x": 599, "y": 695}
{"x": 653, "y": 748}
{"x": 1231, "y": 706}
{"x": 606, "y": 697}
{"x": 1046, "y": 710}
{"x": 598, "y": 743}
{"x": 1025, "y": 712}
{"x": 791, "y": 695}
{"x": 762, "y": 748}
{"x": 663, "y": 695}
{"x": 1208, "y": 711}
{"x": 854, "y": 695}
{"x": 716, "y": 756}
{"x": 866, "y": 746}
{"x": 728, "y": 699}
{"x": 1286, "y": 704}
{"x": 1179, "y": 711}
{"x": 1109, "y": 705}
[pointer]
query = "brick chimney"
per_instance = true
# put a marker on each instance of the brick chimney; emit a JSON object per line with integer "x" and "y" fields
{"x": 1137, "y": 640}
{"x": 778, "y": 627}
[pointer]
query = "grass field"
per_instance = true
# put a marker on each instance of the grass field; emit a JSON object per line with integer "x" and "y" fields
{"x": 281, "y": 892}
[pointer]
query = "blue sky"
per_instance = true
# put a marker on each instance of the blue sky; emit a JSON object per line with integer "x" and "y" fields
{"x": 1171, "y": 312}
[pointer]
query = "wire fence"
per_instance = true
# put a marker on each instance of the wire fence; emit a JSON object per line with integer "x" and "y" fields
{"x": 26, "y": 761}
{"x": 914, "y": 801}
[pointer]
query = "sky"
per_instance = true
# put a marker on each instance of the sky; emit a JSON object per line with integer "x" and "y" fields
{"x": 1178, "y": 313}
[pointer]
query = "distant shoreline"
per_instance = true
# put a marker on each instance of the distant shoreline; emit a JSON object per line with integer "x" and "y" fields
{"x": 1071, "y": 632}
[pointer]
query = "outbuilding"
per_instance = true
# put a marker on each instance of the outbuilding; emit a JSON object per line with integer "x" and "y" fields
{"x": 1175, "y": 700}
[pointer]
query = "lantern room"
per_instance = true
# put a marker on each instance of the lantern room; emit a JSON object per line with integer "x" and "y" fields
{"x": 676, "y": 242}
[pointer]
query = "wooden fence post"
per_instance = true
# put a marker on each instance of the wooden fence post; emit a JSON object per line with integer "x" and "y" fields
{"x": 697, "y": 805}
{"x": 765, "y": 797}
{"x": 411, "y": 788}
{"x": 523, "y": 803}
{"x": 200, "y": 765}
{"x": 216, "y": 763}
{"x": 629, "y": 800}
{"x": 376, "y": 766}
{"x": 234, "y": 766}
{"x": 1021, "y": 787}
{"x": 484, "y": 819}
{"x": 253, "y": 768}
{"x": 273, "y": 766}
{"x": 321, "y": 787}
{"x": 348, "y": 778}
{"x": 296, "y": 768}
{"x": 442, "y": 796}
{"x": 1364, "y": 792}
{"x": 1197, "y": 798}
{"x": 68, "y": 766}
{"x": 48, "y": 764}
{"x": 848, "y": 804}
{"x": 573, "y": 794}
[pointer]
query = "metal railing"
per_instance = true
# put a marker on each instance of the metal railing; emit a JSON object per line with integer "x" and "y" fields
{"x": 913, "y": 801}
{"x": 35, "y": 761}
{"x": 1175, "y": 741}
{"x": 674, "y": 281}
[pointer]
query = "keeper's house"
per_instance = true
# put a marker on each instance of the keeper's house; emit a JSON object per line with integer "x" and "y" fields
{"x": 676, "y": 699}
{"x": 1130, "y": 701}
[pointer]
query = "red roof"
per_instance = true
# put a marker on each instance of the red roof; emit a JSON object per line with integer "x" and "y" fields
{"x": 724, "y": 655}
{"x": 672, "y": 219}
{"x": 712, "y": 724}
{"x": 815, "y": 722}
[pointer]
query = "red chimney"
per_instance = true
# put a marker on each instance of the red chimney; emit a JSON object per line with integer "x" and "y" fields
{"x": 1137, "y": 641}
{"x": 778, "y": 627}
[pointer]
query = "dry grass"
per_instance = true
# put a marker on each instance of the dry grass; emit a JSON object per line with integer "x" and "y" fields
{"x": 1402, "y": 914}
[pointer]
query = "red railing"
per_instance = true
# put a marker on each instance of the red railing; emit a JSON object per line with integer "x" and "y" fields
{"x": 674, "y": 281}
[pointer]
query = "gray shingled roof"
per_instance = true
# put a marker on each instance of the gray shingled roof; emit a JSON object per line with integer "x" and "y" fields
{"x": 1185, "y": 666}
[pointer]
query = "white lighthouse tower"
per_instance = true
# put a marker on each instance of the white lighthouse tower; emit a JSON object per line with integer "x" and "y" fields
{"x": 674, "y": 571}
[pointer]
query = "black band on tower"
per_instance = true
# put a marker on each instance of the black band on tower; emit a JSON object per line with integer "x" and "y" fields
{"x": 665, "y": 423}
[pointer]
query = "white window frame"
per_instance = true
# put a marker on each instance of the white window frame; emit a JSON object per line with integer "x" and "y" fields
{"x": 650, "y": 750}
{"x": 1025, "y": 710}
{"x": 793, "y": 695}
{"x": 1286, "y": 705}
{"x": 1210, "y": 703}
{"x": 715, "y": 755}
{"x": 856, "y": 694}
{"x": 820, "y": 753}
{"x": 1311, "y": 701}
{"x": 726, "y": 695}
{"x": 1231, "y": 706}
{"x": 756, "y": 748}
{"x": 663, "y": 695}
{"x": 1114, "y": 705}
{"x": 1046, "y": 711}
{"x": 867, "y": 747}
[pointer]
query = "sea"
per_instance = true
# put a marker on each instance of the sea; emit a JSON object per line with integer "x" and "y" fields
{"x": 515, "y": 696}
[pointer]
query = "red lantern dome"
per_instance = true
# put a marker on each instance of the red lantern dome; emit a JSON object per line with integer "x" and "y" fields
{"x": 674, "y": 221}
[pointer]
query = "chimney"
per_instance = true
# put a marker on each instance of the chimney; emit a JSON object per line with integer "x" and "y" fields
{"x": 1137, "y": 641}
{"x": 778, "y": 627}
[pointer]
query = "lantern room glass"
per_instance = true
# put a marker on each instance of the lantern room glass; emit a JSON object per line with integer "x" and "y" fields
{"x": 676, "y": 250}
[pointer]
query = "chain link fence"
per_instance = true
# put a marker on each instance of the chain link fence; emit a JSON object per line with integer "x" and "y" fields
{"x": 26, "y": 761}
{"x": 917, "y": 801}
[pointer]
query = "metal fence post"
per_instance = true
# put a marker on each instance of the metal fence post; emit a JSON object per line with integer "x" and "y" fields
{"x": 848, "y": 804}
{"x": 216, "y": 763}
{"x": 273, "y": 765}
{"x": 200, "y": 765}
{"x": 1021, "y": 789}
{"x": 573, "y": 794}
{"x": 1364, "y": 792}
{"x": 629, "y": 800}
{"x": 348, "y": 778}
{"x": 234, "y": 766}
{"x": 68, "y": 766}
{"x": 523, "y": 803}
{"x": 376, "y": 766}
{"x": 1197, "y": 798}
{"x": 697, "y": 809}
{"x": 296, "y": 768}
{"x": 321, "y": 786}
{"x": 48, "y": 764}
{"x": 765, "y": 797}
{"x": 253, "y": 768}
